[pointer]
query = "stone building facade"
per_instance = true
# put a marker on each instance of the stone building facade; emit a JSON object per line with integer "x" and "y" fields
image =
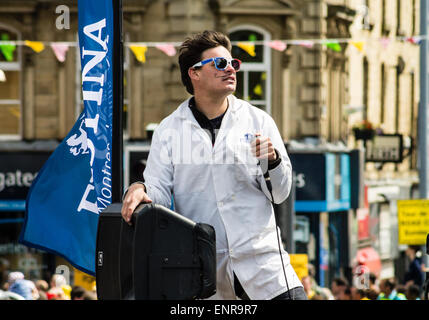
{"x": 384, "y": 90}
{"x": 310, "y": 92}
{"x": 296, "y": 83}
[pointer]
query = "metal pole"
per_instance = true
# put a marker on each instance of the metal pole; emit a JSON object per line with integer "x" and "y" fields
{"x": 423, "y": 114}
{"x": 423, "y": 120}
{"x": 118, "y": 94}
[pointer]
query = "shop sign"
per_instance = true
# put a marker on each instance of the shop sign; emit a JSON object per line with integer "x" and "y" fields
{"x": 322, "y": 181}
{"x": 299, "y": 262}
{"x": 384, "y": 148}
{"x": 17, "y": 172}
{"x": 362, "y": 215}
{"x": 363, "y": 223}
{"x": 413, "y": 221}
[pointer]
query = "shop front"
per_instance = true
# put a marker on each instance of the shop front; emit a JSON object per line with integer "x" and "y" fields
{"x": 322, "y": 205}
{"x": 18, "y": 170}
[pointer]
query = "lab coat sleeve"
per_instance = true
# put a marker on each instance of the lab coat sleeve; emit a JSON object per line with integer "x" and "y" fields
{"x": 158, "y": 173}
{"x": 281, "y": 175}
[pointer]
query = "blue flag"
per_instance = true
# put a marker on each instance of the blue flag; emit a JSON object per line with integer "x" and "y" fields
{"x": 74, "y": 185}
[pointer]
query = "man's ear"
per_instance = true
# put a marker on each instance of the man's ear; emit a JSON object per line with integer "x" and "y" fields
{"x": 193, "y": 74}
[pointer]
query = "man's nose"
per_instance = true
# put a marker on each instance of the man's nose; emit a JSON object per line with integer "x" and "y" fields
{"x": 229, "y": 68}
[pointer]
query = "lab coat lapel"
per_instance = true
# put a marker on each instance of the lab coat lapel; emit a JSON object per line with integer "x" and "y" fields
{"x": 229, "y": 121}
{"x": 189, "y": 120}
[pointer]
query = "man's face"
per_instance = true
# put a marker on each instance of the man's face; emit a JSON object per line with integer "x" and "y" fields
{"x": 215, "y": 81}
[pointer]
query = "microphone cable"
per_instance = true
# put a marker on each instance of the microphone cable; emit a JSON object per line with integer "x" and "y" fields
{"x": 270, "y": 189}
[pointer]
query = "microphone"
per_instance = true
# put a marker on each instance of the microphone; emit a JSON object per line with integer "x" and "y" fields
{"x": 249, "y": 137}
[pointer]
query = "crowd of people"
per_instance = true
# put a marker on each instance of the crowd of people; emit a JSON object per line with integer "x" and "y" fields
{"x": 16, "y": 287}
{"x": 375, "y": 289}
{"x": 384, "y": 289}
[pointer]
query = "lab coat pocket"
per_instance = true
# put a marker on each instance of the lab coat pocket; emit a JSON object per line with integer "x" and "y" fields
{"x": 246, "y": 175}
{"x": 189, "y": 179}
{"x": 264, "y": 245}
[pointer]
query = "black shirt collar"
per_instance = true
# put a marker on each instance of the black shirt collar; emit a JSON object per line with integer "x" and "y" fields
{"x": 212, "y": 126}
{"x": 201, "y": 118}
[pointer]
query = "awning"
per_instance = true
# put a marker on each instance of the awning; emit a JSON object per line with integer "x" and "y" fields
{"x": 370, "y": 258}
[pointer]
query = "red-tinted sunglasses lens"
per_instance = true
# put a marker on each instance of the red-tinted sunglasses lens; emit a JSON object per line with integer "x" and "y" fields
{"x": 236, "y": 64}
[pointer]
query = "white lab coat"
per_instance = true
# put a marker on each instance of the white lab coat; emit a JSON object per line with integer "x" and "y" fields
{"x": 222, "y": 185}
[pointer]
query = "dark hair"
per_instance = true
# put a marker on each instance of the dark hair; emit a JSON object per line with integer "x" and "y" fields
{"x": 77, "y": 292}
{"x": 340, "y": 282}
{"x": 389, "y": 283}
{"x": 191, "y": 49}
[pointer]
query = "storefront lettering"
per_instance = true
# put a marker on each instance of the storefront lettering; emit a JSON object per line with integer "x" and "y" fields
{"x": 16, "y": 179}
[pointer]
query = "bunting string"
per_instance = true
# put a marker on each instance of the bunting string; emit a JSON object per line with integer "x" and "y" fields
{"x": 139, "y": 49}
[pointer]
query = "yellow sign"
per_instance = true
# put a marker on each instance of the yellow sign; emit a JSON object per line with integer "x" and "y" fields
{"x": 84, "y": 280}
{"x": 413, "y": 221}
{"x": 299, "y": 263}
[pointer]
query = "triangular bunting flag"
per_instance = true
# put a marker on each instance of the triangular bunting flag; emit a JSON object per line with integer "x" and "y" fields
{"x": 60, "y": 50}
{"x": 7, "y": 49}
{"x": 413, "y": 40}
{"x": 277, "y": 45}
{"x": 358, "y": 45}
{"x": 248, "y": 47}
{"x": 167, "y": 48}
{"x": 335, "y": 46}
{"x": 384, "y": 42}
{"x": 35, "y": 45}
{"x": 139, "y": 53}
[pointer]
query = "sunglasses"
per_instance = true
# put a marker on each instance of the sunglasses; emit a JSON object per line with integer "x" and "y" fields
{"x": 220, "y": 63}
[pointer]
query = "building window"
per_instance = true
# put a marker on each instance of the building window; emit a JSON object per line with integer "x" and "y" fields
{"x": 399, "y": 31}
{"x": 254, "y": 77}
{"x": 10, "y": 86}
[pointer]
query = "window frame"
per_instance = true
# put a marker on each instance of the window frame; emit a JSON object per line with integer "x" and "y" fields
{"x": 266, "y": 66}
{"x": 14, "y": 66}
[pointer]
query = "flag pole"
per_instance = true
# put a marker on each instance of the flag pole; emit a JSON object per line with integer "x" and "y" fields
{"x": 118, "y": 101}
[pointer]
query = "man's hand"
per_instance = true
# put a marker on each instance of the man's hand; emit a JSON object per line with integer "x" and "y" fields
{"x": 135, "y": 195}
{"x": 263, "y": 149}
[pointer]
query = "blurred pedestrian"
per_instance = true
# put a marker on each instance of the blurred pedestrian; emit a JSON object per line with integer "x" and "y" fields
{"x": 307, "y": 284}
{"x": 358, "y": 294}
{"x": 372, "y": 294}
{"x": 388, "y": 291}
{"x": 77, "y": 293}
{"x": 414, "y": 274}
{"x": 42, "y": 287}
{"x": 4, "y": 267}
{"x": 59, "y": 288}
{"x": 413, "y": 292}
{"x": 25, "y": 288}
{"x": 373, "y": 285}
{"x": 339, "y": 286}
{"x": 13, "y": 276}
{"x": 313, "y": 290}
{"x": 7, "y": 295}
{"x": 80, "y": 293}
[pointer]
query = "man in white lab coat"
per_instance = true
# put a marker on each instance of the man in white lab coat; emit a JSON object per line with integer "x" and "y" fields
{"x": 211, "y": 154}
